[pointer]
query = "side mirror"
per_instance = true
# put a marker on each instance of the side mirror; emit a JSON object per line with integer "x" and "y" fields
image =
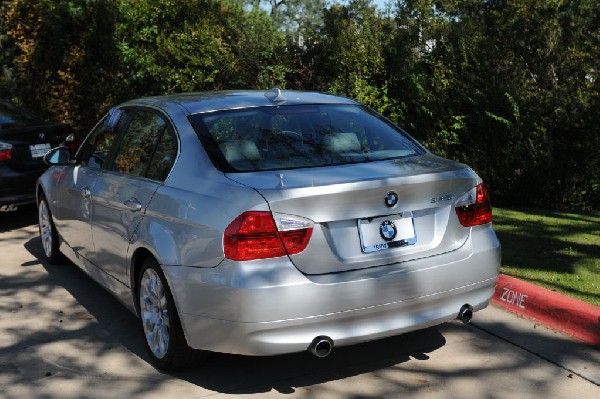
{"x": 58, "y": 156}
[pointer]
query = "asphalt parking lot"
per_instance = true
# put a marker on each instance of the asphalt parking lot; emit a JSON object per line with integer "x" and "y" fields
{"x": 63, "y": 336}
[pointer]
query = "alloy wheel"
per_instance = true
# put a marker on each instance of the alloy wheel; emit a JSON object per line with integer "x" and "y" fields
{"x": 155, "y": 314}
{"x": 45, "y": 228}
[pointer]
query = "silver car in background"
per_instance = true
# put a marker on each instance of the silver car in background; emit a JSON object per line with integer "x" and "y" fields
{"x": 266, "y": 223}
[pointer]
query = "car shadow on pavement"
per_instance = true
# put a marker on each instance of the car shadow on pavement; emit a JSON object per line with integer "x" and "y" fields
{"x": 285, "y": 374}
{"x": 66, "y": 327}
{"x": 111, "y": 315}
{"x": 227, "y": 373}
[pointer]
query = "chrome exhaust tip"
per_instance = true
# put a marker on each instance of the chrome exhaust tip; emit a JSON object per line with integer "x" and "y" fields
{"x": 465, "y": 314}
{"x": 321, "y": 346}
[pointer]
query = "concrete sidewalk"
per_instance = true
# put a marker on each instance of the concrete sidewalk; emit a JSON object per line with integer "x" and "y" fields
{"x": 63, "y": 336}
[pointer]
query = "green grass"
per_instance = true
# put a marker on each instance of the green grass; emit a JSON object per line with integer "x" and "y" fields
{"x": 556, "y": 250}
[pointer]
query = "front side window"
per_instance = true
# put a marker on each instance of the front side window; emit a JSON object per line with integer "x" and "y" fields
{"x": 95, "y": 150}
{"x": 299, "y": 136}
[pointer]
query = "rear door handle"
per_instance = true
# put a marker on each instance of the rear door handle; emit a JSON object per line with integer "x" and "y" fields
{"x": 133, "y": 204}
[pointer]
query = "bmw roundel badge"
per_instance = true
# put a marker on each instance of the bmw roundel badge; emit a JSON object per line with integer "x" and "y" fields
{"x": 391, "y": 199}
{"x": 42, "y": 135}
{"x": 387, "y": 230}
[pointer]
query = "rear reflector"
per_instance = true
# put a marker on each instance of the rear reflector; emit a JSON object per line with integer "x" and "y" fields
{"x": 474, "y": 207}
{"x": 256, "y": 235}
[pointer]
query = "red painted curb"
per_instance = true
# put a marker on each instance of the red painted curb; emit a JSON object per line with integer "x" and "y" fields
{"x": 557, "y": 311}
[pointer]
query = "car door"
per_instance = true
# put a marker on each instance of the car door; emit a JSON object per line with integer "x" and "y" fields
{"x": 74, "y": 195}
{"x": 124, "y": 188}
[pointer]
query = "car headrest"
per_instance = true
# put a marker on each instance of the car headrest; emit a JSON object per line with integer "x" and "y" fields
{"x": 241, "y": 154}
{"x": 342, "y": 143}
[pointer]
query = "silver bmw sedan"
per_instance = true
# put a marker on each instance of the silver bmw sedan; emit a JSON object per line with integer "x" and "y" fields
{"x": 266, "y": 223}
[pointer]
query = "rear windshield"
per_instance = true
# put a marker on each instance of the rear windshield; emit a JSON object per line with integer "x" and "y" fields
{"x": 11, "y": 116}
{"x": 299, "y": 136}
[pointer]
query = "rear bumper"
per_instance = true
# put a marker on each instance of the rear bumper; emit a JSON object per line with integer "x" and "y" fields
{"x": 17, "y": 199}
{"x": 268, "y": 308}
{"x": 17, "y": 188}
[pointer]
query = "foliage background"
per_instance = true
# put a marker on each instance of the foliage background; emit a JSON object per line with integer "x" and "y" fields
{"x": 509, "y": 87}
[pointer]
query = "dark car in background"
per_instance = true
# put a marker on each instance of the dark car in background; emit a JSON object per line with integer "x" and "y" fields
{"x": 24, "y": 140}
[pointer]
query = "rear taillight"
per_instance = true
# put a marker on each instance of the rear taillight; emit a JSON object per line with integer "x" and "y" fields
{"x": 294, "y": 232}
{"x": 5, "y": 151}
{"x": 260, "y": 235}
{"x": 473, "y": 207}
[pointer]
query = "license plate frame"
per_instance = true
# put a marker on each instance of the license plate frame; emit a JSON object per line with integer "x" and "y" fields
{"x": 399, "y": 230}
{"x": 38, "y": 151}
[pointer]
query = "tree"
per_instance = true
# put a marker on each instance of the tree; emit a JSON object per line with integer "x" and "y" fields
{"x": 292, "y": 16}
{"x": 64, "y": 63}
{"x": 7, "y": 53}
{"x": 171, "y": 45}
{"x": 262, "y": 58}
{"x": 511, "y": 88}
{"x": 505, "y": 87}
{"x": 348, "y": 54}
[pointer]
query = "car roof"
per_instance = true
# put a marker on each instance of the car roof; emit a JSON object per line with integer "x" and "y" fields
{"x": 199, "y": 102}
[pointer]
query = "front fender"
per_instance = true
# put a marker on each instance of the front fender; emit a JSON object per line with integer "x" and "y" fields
{"x": 46, "y": 186}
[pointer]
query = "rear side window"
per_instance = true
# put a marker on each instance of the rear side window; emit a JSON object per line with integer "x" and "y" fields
{"x": 163, "y": 157}
{"x": 148, "y": 147}
{"x": 299, "y": 136}
{"x": 140, "y": 138}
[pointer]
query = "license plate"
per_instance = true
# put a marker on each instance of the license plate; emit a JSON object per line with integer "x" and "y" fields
{"x": 377, "y": 234}
{"x": 39, "y": 150}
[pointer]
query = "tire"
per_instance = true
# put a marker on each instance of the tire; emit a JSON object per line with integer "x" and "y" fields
{"x": 48, "y": 234}
{"x": 165, "y": 340}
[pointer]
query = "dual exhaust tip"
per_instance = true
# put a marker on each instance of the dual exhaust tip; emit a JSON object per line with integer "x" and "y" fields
{"x": 322, "y": 345}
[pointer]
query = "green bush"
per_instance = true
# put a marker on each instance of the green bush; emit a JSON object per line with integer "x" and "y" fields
{"x": 511, "y": 88}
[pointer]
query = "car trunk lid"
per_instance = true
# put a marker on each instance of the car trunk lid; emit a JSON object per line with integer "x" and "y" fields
{"x": 347, "y": 203}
